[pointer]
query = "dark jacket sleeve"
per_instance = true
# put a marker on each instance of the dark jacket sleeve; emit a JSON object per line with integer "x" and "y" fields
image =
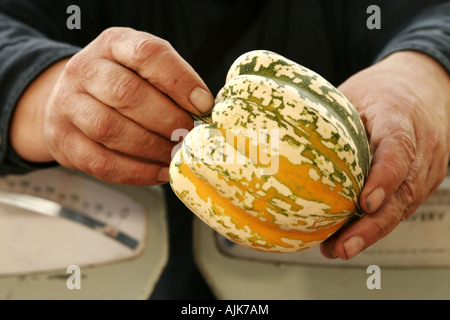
{"x": 428, "y": 33}
{"x": 24, "y": 54}
{"x": 31, "y": 39}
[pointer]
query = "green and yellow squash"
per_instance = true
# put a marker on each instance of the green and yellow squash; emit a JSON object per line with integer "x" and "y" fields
{"x": 280, "y": 163}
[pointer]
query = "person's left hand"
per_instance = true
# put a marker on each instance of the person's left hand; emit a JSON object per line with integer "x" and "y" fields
{"x": 404, "y": 103}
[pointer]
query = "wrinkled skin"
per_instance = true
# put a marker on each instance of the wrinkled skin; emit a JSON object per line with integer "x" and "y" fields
{"x": 111, "y": 109}
{"x": 404, "y": 102}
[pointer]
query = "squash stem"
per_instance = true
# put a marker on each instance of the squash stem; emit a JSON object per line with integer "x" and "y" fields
{"x": 205, "y": 120}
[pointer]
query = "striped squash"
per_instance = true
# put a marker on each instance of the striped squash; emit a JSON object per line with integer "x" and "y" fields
{"x": 280, "y": 163}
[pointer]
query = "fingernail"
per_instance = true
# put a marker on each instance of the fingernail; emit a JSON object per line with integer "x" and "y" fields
{"x": 163, "y": 175}
{"x": 353, "y": 246}
{"x": 202, "y": 100}
{"x": 375, "y": 199}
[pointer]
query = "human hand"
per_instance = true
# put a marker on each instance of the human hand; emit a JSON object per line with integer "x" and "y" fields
{"x": 113, "y": 107}
{"x": 404, "y": 103}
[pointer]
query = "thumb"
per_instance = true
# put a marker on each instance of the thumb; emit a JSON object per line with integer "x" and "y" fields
{"x": 394, "y": 149}
{"x": 156, "y": 61}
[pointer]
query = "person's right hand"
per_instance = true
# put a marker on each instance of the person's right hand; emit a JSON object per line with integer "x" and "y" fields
{"x": 114, "y": 106}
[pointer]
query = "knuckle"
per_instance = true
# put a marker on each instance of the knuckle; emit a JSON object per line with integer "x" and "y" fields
{"x": 380, "y": 228}
{"x": 174, "y": 79}
{"x": 394, "y": 171}
{"x": 125, "y": 90}
{"x": 64, "y": 104}
{"x": 149, "y": 47}
{"x": 177, "y": 121}
{"x": 133, "y": 177}
{"x": 398, "y": 133}
{"x": 101, "y": 167}
{"x": 137, "y": 174}
{"x": 105, "y": 128}
{"x": 112, "y": 34}
{"x": 408, "y": 144}
{"x": 77, "y": 65}
{"x": 408, "y": 192}
{"x": 108, "y": 34}
{"x": 150, "y": 142}
{"x": 65, "y": 100}
{"x": 384, "y": 224}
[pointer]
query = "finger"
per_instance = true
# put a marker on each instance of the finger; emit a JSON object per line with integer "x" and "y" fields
{"x": 422, "y": 180}
{"x": 133, "y": 97}
{"x": 439, "y": 169}
{"x": 368, "y": 230}
{"x": 155, "y": 60}
{"x": 361, "y": 234}
{"x": 108, "y": 165}
{"x": 395, "y": 150}
{"x": 116, "y": 132}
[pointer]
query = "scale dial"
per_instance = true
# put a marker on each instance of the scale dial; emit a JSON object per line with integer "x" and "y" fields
{"x": 97, "y": 223}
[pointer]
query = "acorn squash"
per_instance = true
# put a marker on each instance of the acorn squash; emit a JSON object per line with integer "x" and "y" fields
{"x": 279, "y": 164}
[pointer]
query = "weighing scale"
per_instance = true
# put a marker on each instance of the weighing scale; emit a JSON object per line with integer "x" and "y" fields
{"x": 117, "y": 235}
{"x": 56, "y": 218}
{"x": 414, "y": 262}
